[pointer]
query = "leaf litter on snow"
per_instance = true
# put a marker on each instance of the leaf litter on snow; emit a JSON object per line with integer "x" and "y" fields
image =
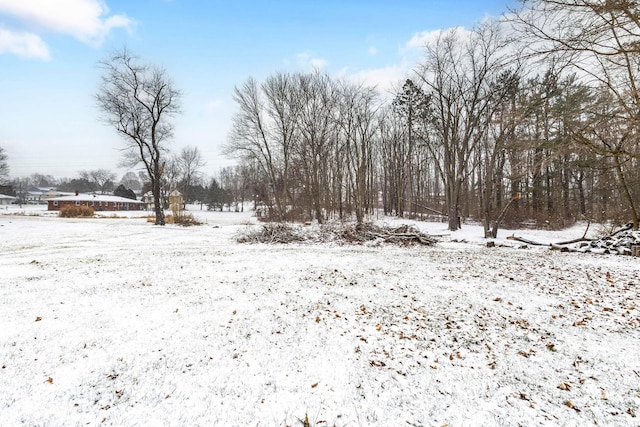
{"x": 233, "y": 334}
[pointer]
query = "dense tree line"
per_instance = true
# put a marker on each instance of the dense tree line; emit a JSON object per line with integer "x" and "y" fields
{"x": 483, "y": 123}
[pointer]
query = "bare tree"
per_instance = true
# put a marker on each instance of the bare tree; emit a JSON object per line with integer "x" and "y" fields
{"x": 317, "y": 96}
{"x": 41, "y": 180}
{"x": 170, "y": 179}
{"x": 190, "y": 163}
{"x": 139, "y": 100}
{"x": 4, "y": 166}
{"x": 263, "y": 130}
{"x": 599, "y": 41}
{"x": 131, "y": 181}
{"x": 457, "y": 74}
{"x": 500, "y": 135}
{"x": 357, "y": 119}
{"x": 21, "y": 187}
{"x": 99, "y": 180}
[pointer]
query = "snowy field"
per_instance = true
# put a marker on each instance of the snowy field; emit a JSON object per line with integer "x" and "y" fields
{"x": 114, "y": 321}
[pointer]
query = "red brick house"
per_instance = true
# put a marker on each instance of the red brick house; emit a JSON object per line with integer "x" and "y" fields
{"x": 99, "y": 202}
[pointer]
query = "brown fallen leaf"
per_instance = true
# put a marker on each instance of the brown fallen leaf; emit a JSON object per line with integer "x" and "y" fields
{"x": 565, "y": 386}
{"x": 571, "y": 405}
{"x": 38, "y": 319}
{"x": 580, "y": 322}
{"x": 378, "y": 327}
{"x": 49, "y": 380}
{"x": 314, "y": 385}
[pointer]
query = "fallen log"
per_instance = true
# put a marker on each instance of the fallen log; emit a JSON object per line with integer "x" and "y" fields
{"x": 579, "y": 239}
{"x": 527, "y": 241}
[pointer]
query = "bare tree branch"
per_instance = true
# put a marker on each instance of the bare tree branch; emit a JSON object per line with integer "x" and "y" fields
{"x": 138, "y": 100}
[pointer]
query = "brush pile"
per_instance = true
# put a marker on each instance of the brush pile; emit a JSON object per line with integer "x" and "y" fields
{"x": 402, "y": 235}
{"x": 274, "y": 232}
{"x": 340, "y": 233}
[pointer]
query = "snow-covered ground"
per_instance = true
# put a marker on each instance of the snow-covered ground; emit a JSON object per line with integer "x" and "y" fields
{"x": 114, "y": 321}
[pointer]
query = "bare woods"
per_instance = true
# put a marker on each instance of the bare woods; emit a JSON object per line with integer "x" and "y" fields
{"x": 519, "y": 112}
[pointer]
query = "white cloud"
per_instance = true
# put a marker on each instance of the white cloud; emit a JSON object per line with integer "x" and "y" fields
{"x": 86, "y": 20}
{"x": 385, "y": 79}
{"x": 23, "y": 45}
{"x": 389, "y": 78}
{"x": 306, "y": 60}
{"x": 373, "y": 51}
{"x": 420, "y": 40}
{"x": 318, "y": 63}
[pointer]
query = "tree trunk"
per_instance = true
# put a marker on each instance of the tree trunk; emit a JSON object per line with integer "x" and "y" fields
{"x": 627, "y": 193}
{"x": 496, "y": 225}
{"x": 157, "y": 202}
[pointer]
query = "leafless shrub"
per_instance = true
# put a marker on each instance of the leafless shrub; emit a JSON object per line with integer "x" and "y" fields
{"x": 76, "y": 211}
{"x": 184, "y": 219}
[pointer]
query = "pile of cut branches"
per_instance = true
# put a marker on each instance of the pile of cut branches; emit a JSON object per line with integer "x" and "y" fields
{"x": 403, "y": 235}
{"x": 273, "y": 232}
{"x": 340, "y": 233}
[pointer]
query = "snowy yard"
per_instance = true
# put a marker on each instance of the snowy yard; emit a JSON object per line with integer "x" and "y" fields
{"x": 119, "y": 322}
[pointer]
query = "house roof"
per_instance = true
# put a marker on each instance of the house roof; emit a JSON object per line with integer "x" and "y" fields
{"x": 54, "y": 193}
{"x": 5, "y": 197}
{"x": 94, "y": 198}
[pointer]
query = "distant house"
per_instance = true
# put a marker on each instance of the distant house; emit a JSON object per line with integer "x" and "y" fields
{"x": 150, "y": 203}
{"x": 99, "y": 202}
{"x": 55, "y": 193}
{"x": 39, "y": 195}
{"x": 148, "y": 200}
{"x": 6, "y": 200}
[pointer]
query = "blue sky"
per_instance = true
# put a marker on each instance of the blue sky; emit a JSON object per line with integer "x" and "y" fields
{"x": 49, "y": 49}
